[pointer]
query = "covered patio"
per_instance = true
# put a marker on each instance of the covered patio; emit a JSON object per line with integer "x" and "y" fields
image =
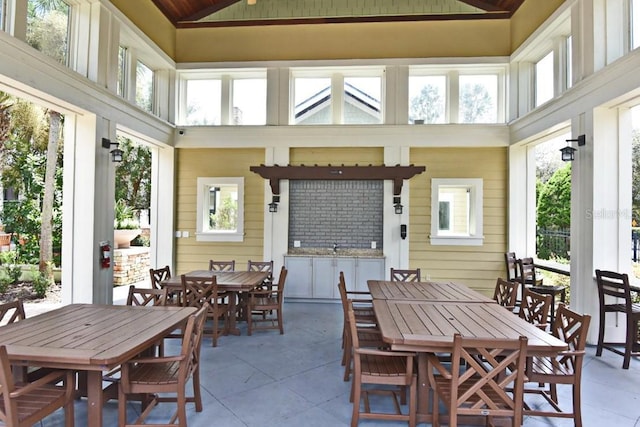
{"x": 296, "y": 379}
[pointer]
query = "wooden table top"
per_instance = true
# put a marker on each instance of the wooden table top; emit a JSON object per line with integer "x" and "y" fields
{"x": 89, "y": 336}
{"x": 430, "y": 325}
{"x": 426, "y": 291}
{"x": 227, "y": 280}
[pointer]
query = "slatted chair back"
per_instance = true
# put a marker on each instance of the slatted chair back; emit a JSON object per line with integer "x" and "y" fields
{"x": 535, "y": 308}
{"x": 268, "y": 304}
{"x": 222, "y": 265}
{"x": 511, "y": 265}
{"x": 165, "y": 378}
{"x": 146, "y": 296}
{"x": 565, "y": 368}
{"x": 505, "y": 293}
{"x": 491, "y": 383}
{"x": 11, "y": 312}
{"x": 158, "y": 275}
{"x": 385, "y": 369}
{"x": 411, "y": 275}
{"x": 203, "y": 291}
{"x": 24, "y": 404}
{"x": 614, "y": 295}
{"x": 527, "y": 272}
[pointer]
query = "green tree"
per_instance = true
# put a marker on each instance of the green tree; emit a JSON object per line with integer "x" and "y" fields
{"x": 133, "y": 175}
{"x": 635, "y": 174}
{"x": 428, "y": 105}
{"x": 475, "y": 103}
{"x": 554, "y": 200}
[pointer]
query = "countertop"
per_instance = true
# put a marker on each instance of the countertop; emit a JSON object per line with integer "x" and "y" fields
{"x": 341, "y": 252}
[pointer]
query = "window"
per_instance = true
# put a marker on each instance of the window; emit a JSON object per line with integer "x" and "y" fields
{"x": 337, "y": 96}
{"x": 478, "y": 100}
{"x": 122, "y": 71}
{"x": 144, "y": 87}
{"x": 456, "y": 212}
{"x": 427, "y": 99}
{"x": 312, "y": 100}
{"x": 249, "y": 102}
{"x": 220, "y": 210}
{"x": 362, "y": 96}
{"x": 223, "y": 97}
{"x": 635, "y": 24}
{"x": 544, "y": 79}
{"x": 3, "y": 8}
{"x": 203, "y": 102}
{"x": 48, "y": 28}
{"x": 569, "y": 62}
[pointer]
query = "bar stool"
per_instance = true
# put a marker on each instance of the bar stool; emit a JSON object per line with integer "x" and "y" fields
{"x": 616, "y": 285}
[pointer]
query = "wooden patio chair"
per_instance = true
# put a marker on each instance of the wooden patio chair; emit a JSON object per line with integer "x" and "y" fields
{"x": 262, "y": 266}
{"x": 11, "y": 312}
{"x": 565, "y": 368}
{"x": 166, "y": 375}
{"x": 368, "y": 332}
{"x": 203, "y": 291}
{"x": 372, "y": 366}
{"x": 222, "y": 265}
{"x": 534, "y": 308}
{"x": 511, "y": 266}
{"x": 614, "y": 294}
{"x": 24, "y": 404}
{"x": 267, "y": 303}
{"x": 146, "y": 296}
{"x": 158, "y": 275}
{"x": 484, "y": 378}
{"x": 505, "y": 293}
{"x": 398, "y": 275}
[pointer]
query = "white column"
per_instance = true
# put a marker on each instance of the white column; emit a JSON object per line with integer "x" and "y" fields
{"x": 162, "y": 207}
{"x": 276, "y": 224}
{"x": 396, "y": 249}
{"x": 88, "y": 192}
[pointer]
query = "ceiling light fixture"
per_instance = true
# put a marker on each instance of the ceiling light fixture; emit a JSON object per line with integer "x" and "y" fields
{"x": 251, "y": 2}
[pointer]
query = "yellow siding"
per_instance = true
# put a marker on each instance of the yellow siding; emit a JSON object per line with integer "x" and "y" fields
{"x": 475, "y": 266}
{"x": 148, "y": 18}
{"x": 348, "y": 156}
{"x": 194, "y": 163}
{"x": 490, "y": 37}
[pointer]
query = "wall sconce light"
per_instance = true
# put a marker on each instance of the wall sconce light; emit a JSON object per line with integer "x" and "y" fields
{"x": 397, "y": 205}
{"x": 116, "y": 153}
{"x": 273, "y": 206}
{"x": 568, "y": 152}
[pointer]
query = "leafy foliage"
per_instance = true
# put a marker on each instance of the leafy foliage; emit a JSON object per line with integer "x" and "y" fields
{"x": 554, "y": 200}
{"x": 475, "y": 103}
{"x": 124, "y": 219}
{"x": 47, "y": 27}
{"x": 42, "y": 281}
{"x": 133, "y": 175}
{"x": 428, "y": 105}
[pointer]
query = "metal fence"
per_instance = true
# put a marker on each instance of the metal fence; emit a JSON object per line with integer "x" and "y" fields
{"x": 553, "y": 243}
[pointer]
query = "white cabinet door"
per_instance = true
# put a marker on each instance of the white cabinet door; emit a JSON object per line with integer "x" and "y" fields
{"x": 348, "y": 267}
{"x": 299, "y": 277}
{"x": 323, "y": 274}
{"x": 368, "y": 269}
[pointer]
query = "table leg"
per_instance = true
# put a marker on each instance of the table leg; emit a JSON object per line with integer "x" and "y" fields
{"x": 94, "y": 399}
{"x": 424, "y": 416}
{"x": 233, "y": 329}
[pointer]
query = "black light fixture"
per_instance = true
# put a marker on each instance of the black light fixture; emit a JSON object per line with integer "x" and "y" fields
{"x": 273, "y": 206}
{"x": 397, "y": 205}
{"x": 568, "y": 152}
{"x": 116, "y": 153}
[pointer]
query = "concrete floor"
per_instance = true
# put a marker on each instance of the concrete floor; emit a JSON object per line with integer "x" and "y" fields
{"x": 295, "y": 380}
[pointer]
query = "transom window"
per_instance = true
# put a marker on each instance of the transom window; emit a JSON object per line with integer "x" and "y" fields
{"x": 635, "y": 24}
{"x": 224, "y": 98}
{"x": 220, "y": 209}
{"x": 144, "y": 87}
{"x": 544, "y": 79}
{"x": 478, "y": 101}
{"x": 48, "y": 28}
{"x": 340, "y": 96}
{"x": 427, "y": 99}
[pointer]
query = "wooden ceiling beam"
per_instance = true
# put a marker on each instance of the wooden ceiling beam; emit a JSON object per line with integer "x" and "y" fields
{"x": 395, "y": 173}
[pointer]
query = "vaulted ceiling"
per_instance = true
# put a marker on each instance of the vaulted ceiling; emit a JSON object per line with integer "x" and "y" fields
{"x": 195, "y": 13}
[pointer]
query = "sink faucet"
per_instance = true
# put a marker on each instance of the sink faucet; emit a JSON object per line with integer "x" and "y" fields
{"x": 335, "y": 248}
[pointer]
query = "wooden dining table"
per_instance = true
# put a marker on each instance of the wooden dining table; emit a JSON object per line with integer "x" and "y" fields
{"x": 90, "y": 339}
{"x": 427, "y": 291}
{"x": 228, "y": 281}
{"x": 428, "y": 326}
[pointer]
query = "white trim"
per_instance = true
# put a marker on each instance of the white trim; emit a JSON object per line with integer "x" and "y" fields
{"x": 203, "y": 185}
{"x": 475, "y": 219}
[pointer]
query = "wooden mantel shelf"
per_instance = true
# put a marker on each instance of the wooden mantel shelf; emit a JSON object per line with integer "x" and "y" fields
{"x": 395, "y": 173}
